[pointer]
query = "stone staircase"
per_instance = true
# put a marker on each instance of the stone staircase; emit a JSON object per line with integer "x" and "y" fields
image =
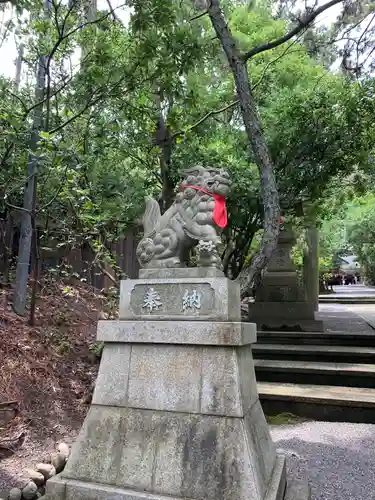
{"x": 323, "y": 376}
{"x": 332, "y": 299}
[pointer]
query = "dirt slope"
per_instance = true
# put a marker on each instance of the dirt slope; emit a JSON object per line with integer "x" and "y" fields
{"x": 47, "y": 372}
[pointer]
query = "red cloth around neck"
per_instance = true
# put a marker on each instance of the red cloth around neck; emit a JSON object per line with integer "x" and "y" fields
{"x": 220, "y": 209}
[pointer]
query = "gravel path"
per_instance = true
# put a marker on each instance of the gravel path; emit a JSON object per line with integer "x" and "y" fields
{"x": 338, "y": 459}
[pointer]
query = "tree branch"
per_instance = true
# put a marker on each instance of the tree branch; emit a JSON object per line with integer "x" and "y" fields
{"x": 198, "y": 16}
{"x": 18, "y": 99}
{"x": 115, "y": 17}
{"x": 233, "y": 103}
{"x": 304, "y": 22}
{"x": 204, "y": 118}
{"x": 256, "y": 139}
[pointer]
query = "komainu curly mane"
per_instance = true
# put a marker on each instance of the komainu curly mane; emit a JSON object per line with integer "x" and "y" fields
{"x": 168, "y": 238}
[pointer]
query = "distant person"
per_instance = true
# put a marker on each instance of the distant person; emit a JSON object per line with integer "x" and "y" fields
{"x": 349, "y": 279}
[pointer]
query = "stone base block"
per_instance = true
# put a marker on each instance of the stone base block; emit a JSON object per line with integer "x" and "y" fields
{"x": 282, "y": 325}
{"x": 214, "y": 333}
{"x": 297, "y": 489}
{"x": 213, "y": 380}
{"x": 178, "y": 455}
{"x": 184, "y": 272}
{"x": 280, "y": 287}
{"x": 180, "y": 299}
{"x": 285, "y": 316}
{"x": 60, "y": 488}
{"x": 276, "y": 310}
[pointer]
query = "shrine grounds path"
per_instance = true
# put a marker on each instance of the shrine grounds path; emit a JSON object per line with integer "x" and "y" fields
{"x": 338, "y": 459}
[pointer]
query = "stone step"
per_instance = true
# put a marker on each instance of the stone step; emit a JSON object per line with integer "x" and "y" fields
{"x": 338, "y": 403}
{"x": 331, "y": 299}
{"x": 333, "y": 353}
{"x": 317, "y": 338}
{"x": 319, "y": 373}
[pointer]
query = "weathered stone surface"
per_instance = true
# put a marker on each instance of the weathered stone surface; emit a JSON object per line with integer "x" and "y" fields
{"x": 165, "y": 377}
{"x": 100, "y": 442}
{"x": 211, "y": 460}
{"x": 58, "y": 460}
{"x": 220, "y": 387}
{"x": 29, "y": 491}
{"x": 135, "y": 467}
{"x": 177, "y": 332}
{"x": 112, "y": 381}
{"x": 15, "y": 494}
{"x": 218, "y": 299}
{"x": 77, "y": 490}
{"x": 281, "y": 256}
{"x": 280, "y": 287}
{"x": 260, "y": 443}
{"x": 188, "y": 222}
{"x": 246, "y": 378}
{"x": 297, "y": 489}
{"x": 36, "y": 476}
{"x": 48, "y": 470}
{"x": 276, "y": 310}
{"x": 63, "y": 448}
{"x": 277, "y": 483}
{"x": 193, "y": 456}
{"x": 56, "y": 488}
{"x": 280, "y": 301}
{"x": 42, "y": 490}
{"x": 181, "y": 272}
{"x": 141, "y": 444}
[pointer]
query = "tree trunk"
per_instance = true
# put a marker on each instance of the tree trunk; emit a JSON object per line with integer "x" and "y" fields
{"x": 311, "y": 263}
{"x": 36, "y": 272}
{"x": 19, "y": 60}
{"x": 165, "y": 170}
{"x": 257, "y": 141}
{"x": 8, "y": 237}
{"x": 24, "y": 251}
{"x": 163, "y": 139}
{"x": 8, "y": 247}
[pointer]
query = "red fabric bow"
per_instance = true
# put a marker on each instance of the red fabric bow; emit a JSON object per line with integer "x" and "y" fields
{"x": 220, "y": 209}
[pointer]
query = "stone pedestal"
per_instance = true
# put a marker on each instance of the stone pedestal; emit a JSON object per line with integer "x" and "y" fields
{"x": 281, "y": 302}
{"x": 311, "y": 263}
{"x": 175, "y": 412}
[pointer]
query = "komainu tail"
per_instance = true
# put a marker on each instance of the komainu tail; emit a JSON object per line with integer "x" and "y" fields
{"x": 151, "y": 216}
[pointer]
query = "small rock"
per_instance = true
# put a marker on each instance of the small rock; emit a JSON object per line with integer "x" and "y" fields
{"x": 15, "y": 494}
{"x": 58, "y": 460}
{"x": 45, "y": 459}
{"x": 29, "y": 491}
{"x": 36, "y": 476}
{"x": 42, "y": 490}
{"x": 63, "y": 448}
{"x": 47, "y": 470}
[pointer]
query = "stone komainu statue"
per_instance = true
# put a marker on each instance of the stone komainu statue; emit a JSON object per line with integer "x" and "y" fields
{"x": 196, "y": 218}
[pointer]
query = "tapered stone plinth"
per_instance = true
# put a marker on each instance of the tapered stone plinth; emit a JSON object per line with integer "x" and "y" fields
{"x": 175, "y": 412}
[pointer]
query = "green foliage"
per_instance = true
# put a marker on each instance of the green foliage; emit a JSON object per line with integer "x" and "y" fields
{"x": 96, "y": 348}
{"x": 109, "y": 86}
{"x": 361, "y": 237}
{"x": 350, "y": 231}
